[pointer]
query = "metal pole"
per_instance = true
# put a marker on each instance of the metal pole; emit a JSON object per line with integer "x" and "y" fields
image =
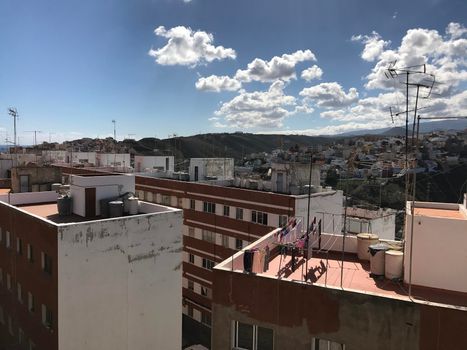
{"x": 343, "y": 240}
{"x": 415, "y": 116}
{"x": 308, "y": 219}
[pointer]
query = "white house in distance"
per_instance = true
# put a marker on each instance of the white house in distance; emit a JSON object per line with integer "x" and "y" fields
{"x": 149, "y": 163}
{"x": 381, "y": 222}
{"x": 211, "y": 169}
{"x": 113, "y": 160}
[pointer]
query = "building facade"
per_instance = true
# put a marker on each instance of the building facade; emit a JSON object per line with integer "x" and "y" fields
{"x": 75, "y": 282}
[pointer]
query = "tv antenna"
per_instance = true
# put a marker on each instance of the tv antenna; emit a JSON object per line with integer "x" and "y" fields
{"x": 35, "y": 135}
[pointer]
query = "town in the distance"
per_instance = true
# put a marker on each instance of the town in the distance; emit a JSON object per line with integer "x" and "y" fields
{"x": 236, "y": 241}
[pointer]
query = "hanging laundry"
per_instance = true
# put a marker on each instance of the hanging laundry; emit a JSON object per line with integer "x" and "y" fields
{"x": 248, "y": 260}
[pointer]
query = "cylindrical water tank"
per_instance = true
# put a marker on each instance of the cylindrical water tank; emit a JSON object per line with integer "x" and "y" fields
{"x": 133, "y": 203}
{"x": 56, "y": 186}
{"x": 364, "y": 240}
{"x": 64, "y": 205}
{"x": 35, "y": 188}
{"x": 115, "y": 209}
{"x": 394, "y": 264}
{"x": 377, "y": 258}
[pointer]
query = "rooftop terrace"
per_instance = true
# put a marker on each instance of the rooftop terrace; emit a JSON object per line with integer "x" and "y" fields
{"x": 332, "y": 269}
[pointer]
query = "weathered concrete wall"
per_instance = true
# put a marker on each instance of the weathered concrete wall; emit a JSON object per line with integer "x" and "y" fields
{"x": 222, "y": 168}
{"x": 120, "y": 283}
{"x": 297, "y": 313}
{"x": 143, "y": 163}
{"x": 326, "y": 206}
{"x": 37, "y": 176}
{"x": 113, "y": 159}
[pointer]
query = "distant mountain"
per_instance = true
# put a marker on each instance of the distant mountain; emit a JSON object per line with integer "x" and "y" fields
{"x": 4, "y": 148}
{"x": 425, "y": 127}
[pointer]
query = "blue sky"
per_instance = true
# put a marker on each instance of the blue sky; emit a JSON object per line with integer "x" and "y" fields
{"x": 70, "y": 67}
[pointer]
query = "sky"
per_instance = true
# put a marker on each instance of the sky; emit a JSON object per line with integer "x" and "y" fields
{"x": 164, "y": 67}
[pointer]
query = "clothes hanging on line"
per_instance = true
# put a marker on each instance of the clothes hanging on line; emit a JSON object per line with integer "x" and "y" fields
{"x": 256, "y": 260}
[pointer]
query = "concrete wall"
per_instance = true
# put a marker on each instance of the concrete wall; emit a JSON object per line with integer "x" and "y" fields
{"x": 143, "y": 163}
{"x": 120, "y": 283}
{"x": 438, "y": 254}
{"x": 222, "y": 168}
{"x": 294, "y": 176}
{"x": 83, "y": 157}
{"x": 326, "y": 206}
{"x": 298, "y": 313}
{"x": 5, "y": 166}
{"x": 37, "y": 176}
{"x": 29, "y": 198}
{"x": 55, "y": 156}
{"x": 384, "y": 227}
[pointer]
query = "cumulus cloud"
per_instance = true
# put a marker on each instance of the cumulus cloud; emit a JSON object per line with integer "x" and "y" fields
{"x": 279, "y": 67}
{"x": 188, "y": 48}
{"x": 330, "y": 95}
{"x": 444, "y": 57}
{"x": 311, "y": 73}
{"x": 218, "y": 83}
{"x": 258, "y": 109}
{"x": 374, "y": 45}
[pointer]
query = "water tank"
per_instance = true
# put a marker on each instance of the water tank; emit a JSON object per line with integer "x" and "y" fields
{"x": 377, "y": 258}
{"x": 133, "y": 203}
{"x": 394, "y": 264}
{"x": 56, "y": 187}
{"x": 115, "y": 209}
{"x": 364, "y": 240}
{"x": 64, "y": 205}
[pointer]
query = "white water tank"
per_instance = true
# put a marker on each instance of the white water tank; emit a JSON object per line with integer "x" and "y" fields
{"x": 132, "y": 204}
{"x": 394, "y": 264}
{"x": 364, "y": 240}
{"x": 377, "y": 258}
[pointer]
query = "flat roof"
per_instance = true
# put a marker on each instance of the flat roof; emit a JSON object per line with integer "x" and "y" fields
{"x": 324, "y": 269}
{"x": 49, "y": 211}
{"x": 440, "y": 213}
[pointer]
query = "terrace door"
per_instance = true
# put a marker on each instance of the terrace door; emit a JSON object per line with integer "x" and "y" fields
{"x": 90, "y": 202}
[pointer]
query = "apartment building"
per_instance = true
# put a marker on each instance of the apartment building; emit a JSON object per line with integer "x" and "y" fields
{"x": 328, "y": 300}
{"x": 72, "y": 277}
{"x": 220, "y": 219}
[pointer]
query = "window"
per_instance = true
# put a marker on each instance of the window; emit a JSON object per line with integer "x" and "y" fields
{"x": 208, "y": 236}
{"x": 209, "y": 207}
{"x": 46, "y": 263}
{"x": 46, "y": 316}
{"x": 30, "y": 302}
{"x": 165, "y": 200}
{"x": 10, "y": 325}
{"x": 283, "y": 219}
{"x": 206, "y": 292}
{"x": 324, "y": 344}
{"x": 259, "y": 217}
{"x": 190, "y": 311}
{"x": 191, "y": 258}
{"x": 238, "y": 244}
{"x": 19, "y": 292}
{"x": 30, "y": 253}
{"x": 191, "y": 285}
{"x": 208, "y": 264}
{"x": 252, "y": 337}
{"x": 7, "y": 239}
{"x": 192, "y": 204}
{"x": 20, "y": 337}
{"x": 226, "y": 210}
{"x": 239, "y": 213}
{"x": 225, "y": 241}
{"x": 191, "y": 231}
{"x": 19, "y": 246}
{"x": 206, "y": 318}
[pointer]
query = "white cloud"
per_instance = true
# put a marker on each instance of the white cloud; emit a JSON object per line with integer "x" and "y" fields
{"x": 330, "y": 95}
{"x": 218, "y": 83}
{"x": 258, "y": 109}
{"x": 444, "y": 56}
{"x": 311, "y": 73}
{"x": 188, "y": 48}
{"x": 374, "y": 45}
{"x": 282, "y": 67}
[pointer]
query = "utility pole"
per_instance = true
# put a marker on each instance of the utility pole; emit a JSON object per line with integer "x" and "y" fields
{"x": 115, "y": 129}
{"x": 35, "y": 135}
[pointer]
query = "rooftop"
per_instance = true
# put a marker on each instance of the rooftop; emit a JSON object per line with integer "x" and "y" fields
{"x": 325, "y": 269}
{"x": 441, "y": 213}
{"x": 49, "y": 211}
